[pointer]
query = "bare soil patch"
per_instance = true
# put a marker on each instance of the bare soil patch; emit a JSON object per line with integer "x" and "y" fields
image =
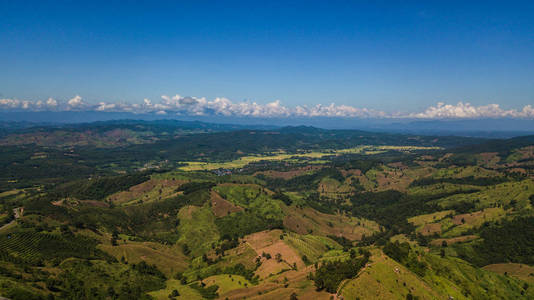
{"x": 430, "y": 229}
{"x": 141, "y": 189}
{"x": 355, "y": 172}
{"x": 222, "y": 207}
{"x": 95, "y": 203}
{"x": 283, "y": 257}
{"x": 521, "y": 271}
{"x": 289, "y": 174}
{"x": 308, "y": 220}
{"x": 459, "y": 239}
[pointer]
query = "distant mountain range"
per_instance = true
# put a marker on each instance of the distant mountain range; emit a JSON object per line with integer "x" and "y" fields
{"x": 491, "y": 128}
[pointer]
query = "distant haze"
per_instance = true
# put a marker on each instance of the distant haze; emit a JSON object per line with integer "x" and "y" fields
{"x": 503, "y": 127}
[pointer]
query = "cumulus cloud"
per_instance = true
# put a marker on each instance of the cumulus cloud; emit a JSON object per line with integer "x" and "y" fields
{"x": 51, "y": 102}
{"x": 466, "y": 110}
{"x": 200, "y": 106}
{"x": 9, "y": 103}
{"x": 75, "y": 102}
{"x": 103, "y": 106}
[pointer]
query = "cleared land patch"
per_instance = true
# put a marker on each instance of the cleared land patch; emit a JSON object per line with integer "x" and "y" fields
{"x": 282, "y": 256}
{"x": 147, "y": 191}
{"x": 429, "y": 218}
{"x": 289, "y": 174}
{"x": 227, "y": 282}
{"x": 168, "y": 260}
{"x": 245, "y": 160}
{"x": 384, "y": 278}
{"x": 459, "y": 239}
{"x": 185, "y": 291}
{"x": 222, "y": 207}
{"x": 520, "y": 271}
{"x": 309, "y": 221}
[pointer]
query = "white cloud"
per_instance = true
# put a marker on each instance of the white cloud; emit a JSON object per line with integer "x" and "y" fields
{"x": 103, "y": 106}
{"x": 75, "y": 102}
{"x": 194, "y": 106}
{"x": 466, "y": 110}
{"x": 9, "y": 103}
{"x": 51, "y": 102}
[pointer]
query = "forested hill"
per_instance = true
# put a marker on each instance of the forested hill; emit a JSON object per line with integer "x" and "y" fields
{"x": 107, "y": 134}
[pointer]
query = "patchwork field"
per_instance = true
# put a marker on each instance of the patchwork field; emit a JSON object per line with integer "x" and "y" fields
{"x": 308, "y": 220}
{"x": 520, "y": 271}
{"x": 168, "y": 260}
{"x": 281, "y": 256}
{"x": 245, "y": 160}
{"x": 147, "y": 191}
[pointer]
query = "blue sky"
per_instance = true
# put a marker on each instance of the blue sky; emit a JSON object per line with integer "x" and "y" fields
{"x": 397, "y": 56}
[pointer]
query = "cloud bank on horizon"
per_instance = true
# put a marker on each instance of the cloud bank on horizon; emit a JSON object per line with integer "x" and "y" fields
{"x": 193, "y": 106}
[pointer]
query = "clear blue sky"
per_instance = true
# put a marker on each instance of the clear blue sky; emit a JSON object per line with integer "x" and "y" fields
{"x": 396, "y": 55}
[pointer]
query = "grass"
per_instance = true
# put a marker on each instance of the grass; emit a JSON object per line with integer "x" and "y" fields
{"x": 10, "y": 193}
{"x": 516, "y": 193}
{"x": 520, "y": 271}
{"x": 309, "y": 221}
{"x": 333, "y": 255}
{"x": 464, "y": 222}
{"x": 330, "y": 187}
{"x": 148, "y": 191}
{"x": 227, "y": 282}
{"x": 245, "y": 160}
{"x": 441, "y": 188}
{"x": 168, "y": 259}
{"x": 451, "y": 276}
{"x": 13, "y": 289}
{"x": 182, "y": 175}
{"x": 386, "y": 279}
{"x": 185, "y": 291}
{"x": 243, "y": 254}
{"x": 311, "y": 246}
{"x": 253, "y": 197}
{"x": 197, "y": 229}
{"x": 457, "y": 225}
{"x": 461, "y": 172}
{"x": 429, "y": 218}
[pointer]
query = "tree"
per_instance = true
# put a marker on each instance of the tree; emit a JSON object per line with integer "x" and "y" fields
{"x": 185, "y": 249}
{"x": 111, "y": 292}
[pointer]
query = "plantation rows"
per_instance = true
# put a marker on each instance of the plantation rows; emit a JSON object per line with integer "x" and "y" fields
{"x": 32, "y": 247}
